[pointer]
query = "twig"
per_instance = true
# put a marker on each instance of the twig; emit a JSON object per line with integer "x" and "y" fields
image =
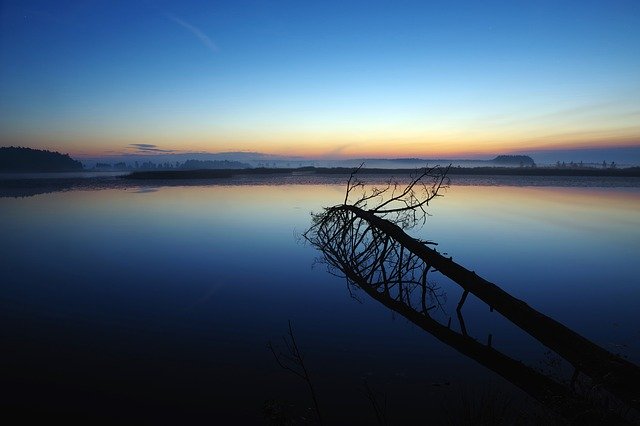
{"x": 379, "y": 409}
{"x": 293, "y": 361}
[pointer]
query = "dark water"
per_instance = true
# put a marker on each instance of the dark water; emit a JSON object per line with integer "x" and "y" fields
{"x": 157, "y": 303}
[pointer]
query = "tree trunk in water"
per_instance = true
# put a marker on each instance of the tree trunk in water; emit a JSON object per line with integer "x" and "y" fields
{"x": 617, "y": 375}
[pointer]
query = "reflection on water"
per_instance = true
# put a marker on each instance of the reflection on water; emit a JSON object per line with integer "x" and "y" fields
{"x": 164, "y": 300}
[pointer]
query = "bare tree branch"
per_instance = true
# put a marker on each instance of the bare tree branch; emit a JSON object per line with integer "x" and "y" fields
{"x": 293, "y": 361}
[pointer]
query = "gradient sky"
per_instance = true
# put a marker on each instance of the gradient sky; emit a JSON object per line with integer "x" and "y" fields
{"x": 323, "y": 78}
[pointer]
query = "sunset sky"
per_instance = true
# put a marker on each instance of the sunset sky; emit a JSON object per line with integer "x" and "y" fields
{"x": 323, "y": 79}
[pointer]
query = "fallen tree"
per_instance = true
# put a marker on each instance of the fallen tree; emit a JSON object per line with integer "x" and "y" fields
{"x": 364, "y": 239}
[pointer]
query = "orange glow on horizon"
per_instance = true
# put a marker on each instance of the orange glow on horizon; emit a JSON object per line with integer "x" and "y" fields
{"x": 342, "y": 146}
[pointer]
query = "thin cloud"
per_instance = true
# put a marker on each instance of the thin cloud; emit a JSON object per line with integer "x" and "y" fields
{"x": 147, "y": 147}
{"x": 204, "y": 39}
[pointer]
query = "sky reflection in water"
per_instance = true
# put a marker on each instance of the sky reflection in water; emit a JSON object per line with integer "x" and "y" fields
{"x": 179, "y": 289}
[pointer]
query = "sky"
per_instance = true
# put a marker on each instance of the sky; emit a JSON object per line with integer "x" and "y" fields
{"x": 325, "y": 79}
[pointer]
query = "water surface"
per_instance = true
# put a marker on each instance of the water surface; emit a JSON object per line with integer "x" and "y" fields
{"x": 159, "y": 301}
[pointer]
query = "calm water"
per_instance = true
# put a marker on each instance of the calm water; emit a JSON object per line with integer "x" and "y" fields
{"x": 159, "y": 302}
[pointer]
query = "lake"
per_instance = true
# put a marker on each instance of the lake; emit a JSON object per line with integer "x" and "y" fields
{"x": 157, "y": 302}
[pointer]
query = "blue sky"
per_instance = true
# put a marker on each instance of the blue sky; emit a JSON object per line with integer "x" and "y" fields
{"x": 320, "y": 78}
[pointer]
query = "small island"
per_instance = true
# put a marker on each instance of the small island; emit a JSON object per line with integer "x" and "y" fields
{"x": 514, "y": 161}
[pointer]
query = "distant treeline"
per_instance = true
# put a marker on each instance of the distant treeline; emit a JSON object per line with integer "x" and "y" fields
{"x": 582, "y": 165}
{"x": 167, "y": 166}
{"x": 17, "y": 159}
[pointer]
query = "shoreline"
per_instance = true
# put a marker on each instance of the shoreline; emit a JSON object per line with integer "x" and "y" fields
{"x": 346, "y": 171}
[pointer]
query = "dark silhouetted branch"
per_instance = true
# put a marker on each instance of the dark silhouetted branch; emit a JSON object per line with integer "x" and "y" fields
{"x": 293, "y": 361}
{"x": 378, "y": 402}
